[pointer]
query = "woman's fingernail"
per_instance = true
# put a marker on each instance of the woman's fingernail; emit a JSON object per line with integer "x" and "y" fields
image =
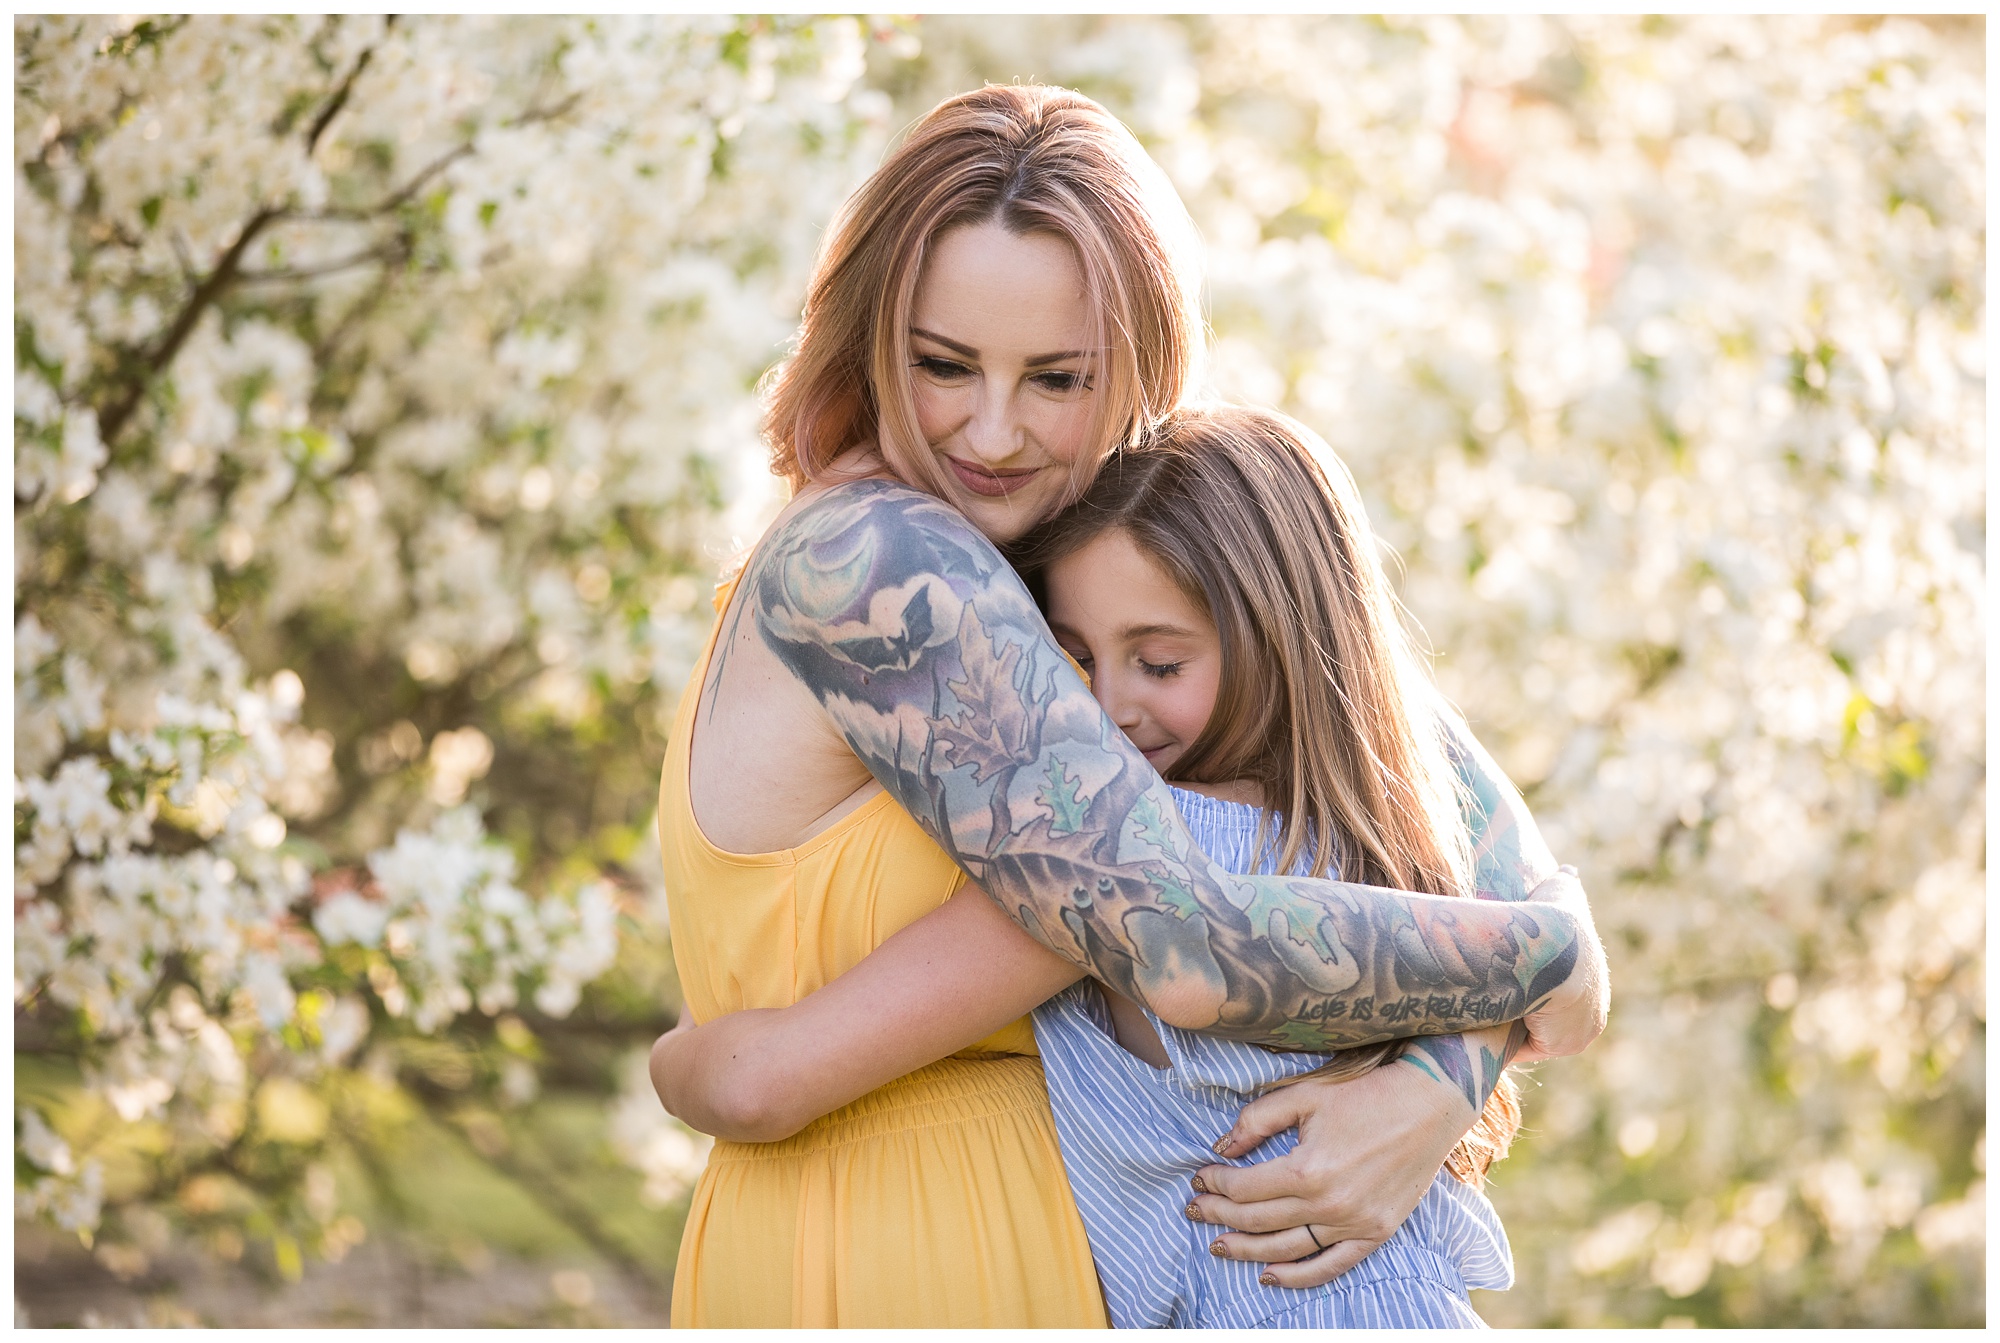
{"x": 1199, "y": 1187}
{"x": 1217, "y": 1251}
{"x": 1222, "y": 1145}
{"x": 1268, "y": 1280}
{"x": 1193, "y": 1212}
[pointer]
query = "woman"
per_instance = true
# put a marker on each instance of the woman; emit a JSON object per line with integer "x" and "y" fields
{"x": 882, "y": 714}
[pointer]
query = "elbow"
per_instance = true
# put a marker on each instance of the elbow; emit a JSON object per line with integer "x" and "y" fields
{"x": 736, "y": 1102}
{"x": 1578, "y": 1014}
{"x": 1600, "y": 999}
{"x": 660, "y": 1068}
{"x": 1597, "y": 987}
{"x": 1186, "y": 1003}
{"x": 756, "y": 1109}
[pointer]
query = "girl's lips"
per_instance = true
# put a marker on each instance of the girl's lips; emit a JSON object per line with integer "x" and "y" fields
{"x": 992, "y": 484}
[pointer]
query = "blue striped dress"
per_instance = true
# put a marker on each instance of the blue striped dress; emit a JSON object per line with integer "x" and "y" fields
{"x": 1132, "y": 1135}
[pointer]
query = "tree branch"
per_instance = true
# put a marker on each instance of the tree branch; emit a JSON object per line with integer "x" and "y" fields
{"x": 390, "y": 202}
{"x": 384, "y": 252}
{"x": 113, "y": 418}
{"x": 339, "y": 99}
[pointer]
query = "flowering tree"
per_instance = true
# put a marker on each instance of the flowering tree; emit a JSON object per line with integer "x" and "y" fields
{"x": 384, "y": 401}
{"x": 1657, "y": 348}
{"x": 380, "y": 395}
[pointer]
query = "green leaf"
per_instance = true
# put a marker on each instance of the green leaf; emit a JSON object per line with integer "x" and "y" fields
{"x": 1062, "y": 795}
{"x": 1152, "y": 829}
{"x": 1303, "y": 1035}
{"x": 1175, "y": 895}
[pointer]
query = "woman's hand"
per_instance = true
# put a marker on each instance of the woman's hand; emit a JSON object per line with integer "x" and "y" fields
{"x": 1574, "y": 1013}
{"x": 1368, "y": 1149}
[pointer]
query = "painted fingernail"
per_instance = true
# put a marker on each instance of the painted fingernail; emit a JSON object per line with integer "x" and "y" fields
{"x": 1217, "y": 1250}
{"x": 1199, "y": 1187}
{"x": 1222, "y": 1145}
{"x": 1193, "y": 1212}
{"x": 1268, "y": 1280}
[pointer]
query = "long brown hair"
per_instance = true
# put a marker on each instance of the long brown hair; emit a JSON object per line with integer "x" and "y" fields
{"x": 1322, "y": 700}
{"x": 1036, "y": 160}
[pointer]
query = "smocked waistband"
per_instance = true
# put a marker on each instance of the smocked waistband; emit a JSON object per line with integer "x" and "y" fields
{"x": 950, "y": 1091}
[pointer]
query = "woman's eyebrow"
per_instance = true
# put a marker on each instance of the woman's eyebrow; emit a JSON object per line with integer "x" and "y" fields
{"x": 954, "y": 346}
{"x": 958, "y": 347}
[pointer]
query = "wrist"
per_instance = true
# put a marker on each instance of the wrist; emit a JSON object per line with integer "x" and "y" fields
{"x": 1438, "y": 1100}
{"x": 1445, "y": 1077}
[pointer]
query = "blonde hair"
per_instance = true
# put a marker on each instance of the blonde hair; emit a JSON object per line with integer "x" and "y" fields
{"x": 1037, "y": 160}
{"x": 1322, "y": 699}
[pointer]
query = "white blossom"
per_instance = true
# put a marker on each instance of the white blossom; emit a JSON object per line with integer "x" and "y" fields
{"x": 1656, "y": 346}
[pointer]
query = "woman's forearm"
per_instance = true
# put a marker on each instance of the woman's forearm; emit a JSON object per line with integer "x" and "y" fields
{"x": 927, "y": 653}
{"x": 1468, "y": 1066}
{"x": 943, "y": 983}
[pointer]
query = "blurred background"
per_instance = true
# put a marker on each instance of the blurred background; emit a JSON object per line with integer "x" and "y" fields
{"x": 384, "y": 407}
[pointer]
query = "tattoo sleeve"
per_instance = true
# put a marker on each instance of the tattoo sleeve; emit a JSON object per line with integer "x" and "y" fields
{"x": 1509, "y": 860}
{"x": 929, "y": 656}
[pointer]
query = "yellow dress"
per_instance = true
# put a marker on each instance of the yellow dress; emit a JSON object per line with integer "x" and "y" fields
{"x": 937, "y": 1200}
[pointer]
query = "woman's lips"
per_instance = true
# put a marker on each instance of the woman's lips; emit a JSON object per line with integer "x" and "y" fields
{"x": 992, "y": 484}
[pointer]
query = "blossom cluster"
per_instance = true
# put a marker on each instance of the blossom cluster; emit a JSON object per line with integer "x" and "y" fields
{"x": 379, "y": 391}
{"x": 1657, "y": 349}
{"x": 385, "y": 401}
{"x": 459, "y": 933}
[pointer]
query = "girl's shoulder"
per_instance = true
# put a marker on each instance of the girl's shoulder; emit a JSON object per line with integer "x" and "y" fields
{"x": 1204, "y": 810}
{"x": 1243, "y": 838}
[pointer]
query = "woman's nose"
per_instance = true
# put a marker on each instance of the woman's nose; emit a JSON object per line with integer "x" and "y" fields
{"x": 992, "y": 431}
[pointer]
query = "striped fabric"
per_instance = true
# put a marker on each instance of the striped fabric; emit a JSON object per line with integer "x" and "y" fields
{"x": 1132, "y": 1135}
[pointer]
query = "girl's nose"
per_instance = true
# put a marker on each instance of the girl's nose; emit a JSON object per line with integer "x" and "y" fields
{"x": 1118, "y": 708}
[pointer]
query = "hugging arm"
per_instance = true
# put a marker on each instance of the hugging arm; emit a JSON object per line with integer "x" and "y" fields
{"x": 931, "y": 659}
{"x": 1509, "y": 861}
{"x": 939, "y": 985}
{"x": 1369, "y": 1148}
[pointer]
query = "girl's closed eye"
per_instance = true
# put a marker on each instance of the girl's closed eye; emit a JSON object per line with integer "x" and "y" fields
{"x": 1158, "y": 657}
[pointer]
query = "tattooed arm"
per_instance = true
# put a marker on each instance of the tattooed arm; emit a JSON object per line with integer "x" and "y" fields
{"x": 930, "y": 658}
{"x": 1509, "y": 861}
{"x": 1369, "y": 1148}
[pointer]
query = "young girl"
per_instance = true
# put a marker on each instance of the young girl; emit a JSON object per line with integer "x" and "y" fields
{"x": 1219, "y": 586}
{"x": 1221, "y": 591}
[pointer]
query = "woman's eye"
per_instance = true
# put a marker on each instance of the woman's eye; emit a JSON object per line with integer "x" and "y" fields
{"x": 1061, "y": 382}
{"x": 1160, "y": 671}
{"x": 941, "y": 368}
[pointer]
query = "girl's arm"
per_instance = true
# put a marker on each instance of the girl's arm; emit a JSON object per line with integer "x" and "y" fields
{"x": 951, "y": 978}
{"x": 927, "y": 653}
